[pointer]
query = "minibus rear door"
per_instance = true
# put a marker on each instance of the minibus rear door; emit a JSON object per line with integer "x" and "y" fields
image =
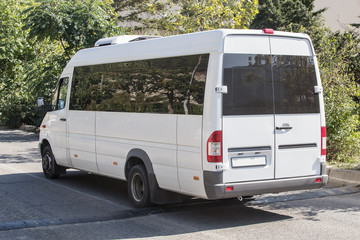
{"x": 297, "y": 111}
{"x": 248, "y": 112}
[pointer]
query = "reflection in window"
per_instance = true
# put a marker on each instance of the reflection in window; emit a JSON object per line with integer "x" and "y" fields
{"x": 62, "y": 93}
{"x": 257, "y": 84}
{"x": 59, "y": 99}
{"x": 294, "y": 81}
{"x": 170, "y": 85}
{"x": 248, "y": 78}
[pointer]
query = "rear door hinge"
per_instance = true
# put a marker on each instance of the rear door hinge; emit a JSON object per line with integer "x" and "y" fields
{"x": 222, "y": 166}
{"x": 318, "y": 89}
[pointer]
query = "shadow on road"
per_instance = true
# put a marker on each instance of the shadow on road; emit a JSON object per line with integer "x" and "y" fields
{"x": 13, "y": 135}
{"x": 33, "y": 201}
{"x": 310, "y": 208}
{"x": 31, "y": 156}
{"x": 17, "y": 146}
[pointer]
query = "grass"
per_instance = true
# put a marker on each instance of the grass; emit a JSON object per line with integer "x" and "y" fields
{"x": 352, "y": 164}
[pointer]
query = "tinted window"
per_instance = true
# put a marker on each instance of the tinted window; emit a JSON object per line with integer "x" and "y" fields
{"x": 59, "y": 98}
{"x": 248, "y": 78}
{"x": 294, "y": 81}
{"x": 62, "y": 93}
{"x": 252, "y": 80}
{"x": 169, "y": 85}
{"x": 85, "y": 88}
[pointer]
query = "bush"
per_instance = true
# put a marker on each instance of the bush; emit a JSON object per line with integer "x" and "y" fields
{"x": 12, "y": 112}
{"x": 341, "y": 92}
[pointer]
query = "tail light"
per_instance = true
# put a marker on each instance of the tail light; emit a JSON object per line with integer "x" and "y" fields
{"x": 214, "y": 147}
{"x": 323, "y": 141}
{"x": 229, "y": 188}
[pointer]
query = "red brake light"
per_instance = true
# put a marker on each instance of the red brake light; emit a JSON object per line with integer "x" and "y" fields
{"x": 323, "y": 141}
{"x": 214, "y": 147}
{"x": 318, "y": 180}
{"x": 268, "y": 31}
{"x": 229, "y": 188}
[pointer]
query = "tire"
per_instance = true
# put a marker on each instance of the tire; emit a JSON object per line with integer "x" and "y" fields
{"x": 50, "y": 168}
{"x": 138, "y": 186}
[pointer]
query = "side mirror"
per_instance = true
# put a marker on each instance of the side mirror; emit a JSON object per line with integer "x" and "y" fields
{"x": 41, "y": 106}
{"x": 61, "y": 104}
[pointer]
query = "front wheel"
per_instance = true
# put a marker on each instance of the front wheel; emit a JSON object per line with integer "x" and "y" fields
{"x": 138, "y": 186}
{"x": 50, "y": 168}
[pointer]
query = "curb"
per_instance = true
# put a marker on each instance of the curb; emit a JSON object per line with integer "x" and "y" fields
{"x": 29, "y": 128}
{"x": 343, "y": 176}
{"x": 302, "y": 195}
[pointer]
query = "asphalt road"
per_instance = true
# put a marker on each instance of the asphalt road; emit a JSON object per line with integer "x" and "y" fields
{"x": 84, "y": 206}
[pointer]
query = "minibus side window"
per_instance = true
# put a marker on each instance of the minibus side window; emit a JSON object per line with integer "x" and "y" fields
{"x": 62, "y": 93}
{"x": 174, "y": 85}
{"x": 59, "y": 98}
{"x": 85, "y": 88}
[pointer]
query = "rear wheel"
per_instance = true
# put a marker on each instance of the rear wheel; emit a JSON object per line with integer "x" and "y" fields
{"x": 138, "y": 186}
{"x": 50, "y": 168}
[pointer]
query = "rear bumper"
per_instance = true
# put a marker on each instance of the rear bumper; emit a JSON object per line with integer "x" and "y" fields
{"x": 218, "y": 191}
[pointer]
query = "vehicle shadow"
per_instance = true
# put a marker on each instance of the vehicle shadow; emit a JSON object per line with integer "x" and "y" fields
{"x": 31, "y": 200}
{"x": 92, "y": 200}
{"x": 189, "y": 217}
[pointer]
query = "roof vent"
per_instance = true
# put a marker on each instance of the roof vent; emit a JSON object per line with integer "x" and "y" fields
{"x": 121, "y": 39}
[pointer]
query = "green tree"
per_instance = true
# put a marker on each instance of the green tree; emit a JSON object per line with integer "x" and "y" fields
{"x": 340, "y": 93}
{"x": 199, "y": 15}
{"x": 287, "y": 15}
{"x": 37, "y": 38}
{"x": 352, "y": 57}
{"x": 74, "y": 24}
{"x": 138, "y": 13}
{"x": 15, "y": 52}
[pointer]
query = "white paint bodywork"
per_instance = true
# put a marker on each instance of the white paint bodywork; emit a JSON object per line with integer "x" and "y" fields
{"x": 260, "y": 130}
{"x": 81, "y": 137}
{"x": 55, "y": 133}
{"x": 99, "y": 142}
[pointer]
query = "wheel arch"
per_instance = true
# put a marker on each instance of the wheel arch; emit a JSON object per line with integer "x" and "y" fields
{"x": 138, "y": 156}
{"x": 157, "y": 194}
{"x": 45, "y": 142}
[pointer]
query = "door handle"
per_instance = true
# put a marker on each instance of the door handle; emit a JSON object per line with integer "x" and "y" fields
{"x": 63, "y": 119}
{"x": 284, "y": 128}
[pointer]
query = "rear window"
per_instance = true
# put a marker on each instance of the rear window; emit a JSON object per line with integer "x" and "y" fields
{"x": 264, "y": 84}
{"x": 248, "y": 78}
{"x": 294, "y": 81}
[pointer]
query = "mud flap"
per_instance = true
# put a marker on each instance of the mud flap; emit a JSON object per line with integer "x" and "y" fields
{"x": 161, "y": 196}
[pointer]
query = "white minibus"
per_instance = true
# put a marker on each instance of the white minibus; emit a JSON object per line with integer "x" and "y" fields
{"x": 213, "y": 115}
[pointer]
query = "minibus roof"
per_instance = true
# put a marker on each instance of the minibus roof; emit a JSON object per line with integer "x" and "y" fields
{"x": 177, "y": 45}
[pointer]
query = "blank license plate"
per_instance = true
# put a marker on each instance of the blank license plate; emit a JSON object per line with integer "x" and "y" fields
{"x": 248, "y": 161}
